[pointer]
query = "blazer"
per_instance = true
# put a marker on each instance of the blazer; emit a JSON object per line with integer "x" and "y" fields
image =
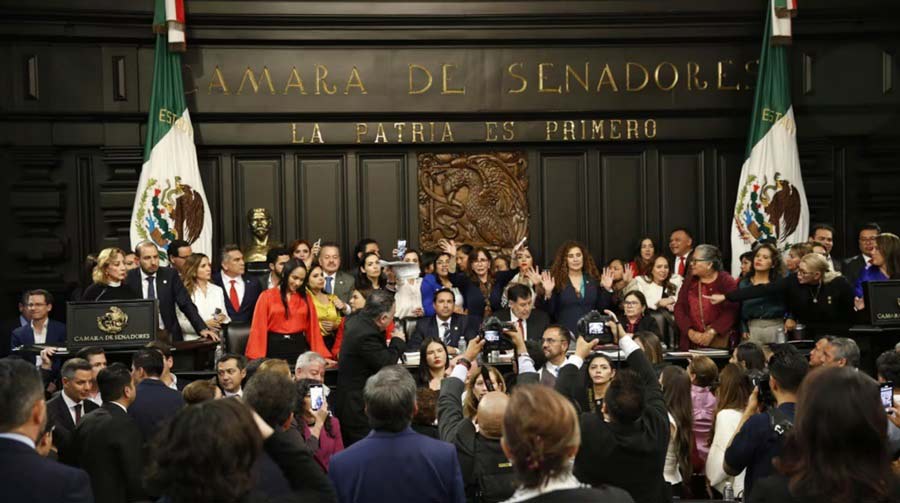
{"x": 537, "y": 322}
{"x": 853, "y": 267}
{"x": 371, "y": 469}
{"x": 252, "y": 290}
{"x": 461, "y": 325}
{"x": 24, "y": 335}
{"x": 58, "y": 413}
{"x": 363, "y": 353}
{"x": 343, "y": 285}
{"x": 25, "y": 475}
{"x": 155, "y": 404}
{"x": 169, "y": 291}
{"x": 107, "y": 444}
{"x": 567, "y": 308}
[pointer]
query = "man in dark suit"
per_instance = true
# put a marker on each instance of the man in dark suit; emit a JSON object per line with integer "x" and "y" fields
{"x": 7, "y": 327}
{"x": 337, "y": 281}
{"x": 394, "y": 463}
{"x": 25, "y": 475}
{"x": 107, "y": 443}
{"x": 155, "y": 402}
{"x": 854, "y": 266}
{"x": 629, "y": 451}
{"x": 41, "y": 329}
{"x": 824, "y": 233}
{"x": 241, "y": 293}
{"x": 275, "y": 259}
{"x": 522, "y": 312}
{"x": 445, "y": 325}
{"x": 363, "y": 353}
{"x": 149, "y": 281}
{"x": 70, "y": 405}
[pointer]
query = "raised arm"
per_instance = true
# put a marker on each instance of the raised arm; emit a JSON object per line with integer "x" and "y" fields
{"x": 449, "y": 406}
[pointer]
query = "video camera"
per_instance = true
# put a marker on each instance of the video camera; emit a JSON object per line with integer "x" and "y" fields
{"x": 760, "y": 379}
{"x": 492, "y": 331}
{"x": 593, "y": 326}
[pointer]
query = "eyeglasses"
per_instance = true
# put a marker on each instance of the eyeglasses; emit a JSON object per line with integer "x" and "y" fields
{"x": 631, "y": 303}
{"x": 552, "y": 341}
{"x": 866, "y": 240}
{"x": 36, "y": 305}
{"x": 801, "y": 272}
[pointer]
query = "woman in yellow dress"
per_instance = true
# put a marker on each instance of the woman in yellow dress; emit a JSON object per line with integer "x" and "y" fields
{"x": 328, "y": 306}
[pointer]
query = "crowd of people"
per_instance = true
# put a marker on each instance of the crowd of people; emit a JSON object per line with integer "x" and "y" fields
{"x": 568, "y": 419}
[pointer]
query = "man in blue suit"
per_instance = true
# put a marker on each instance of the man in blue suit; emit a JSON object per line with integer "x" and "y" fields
{"x": 394, "y": 463}
{"x": 155, "y": 403}
{"x": 24, "y": 474}
{"x": 41, "y": 329}
{"x": 445, "y": 325}
{"x": 241, "y": 293}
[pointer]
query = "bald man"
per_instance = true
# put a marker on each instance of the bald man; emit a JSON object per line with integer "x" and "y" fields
{"x": 485, "y": 468}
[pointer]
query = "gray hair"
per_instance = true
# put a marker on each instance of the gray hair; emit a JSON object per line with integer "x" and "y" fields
{"x": 708, "y": 253}
{"x": 20, "y": 388}
{"x": 309, "y": 358}
{"x": 390, "y": 397}
{"x": 74, "y": 365}
{"x": 378, "y": 303}
{"x": 846, "y": 348}
{"x": 223, "y": 254}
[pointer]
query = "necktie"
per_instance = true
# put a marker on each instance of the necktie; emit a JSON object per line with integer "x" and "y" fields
{"x": 521, "y": 328}
{"x": 233, "y": 297}
{"x": 77, "y": 408}
{"x": 446, "y": 335}
{"x": 328, "y": 286}
{"x": 151, "y": 287}
{"x": 681, "y": 266}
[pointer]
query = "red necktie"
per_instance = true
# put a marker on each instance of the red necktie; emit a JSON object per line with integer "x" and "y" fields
{"x": 521, "y": 328}
{"x": 681, "y": 266}
{"x": 232, "y": 296}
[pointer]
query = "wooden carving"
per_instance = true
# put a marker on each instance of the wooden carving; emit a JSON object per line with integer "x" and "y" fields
{"x": 477, "y": 199}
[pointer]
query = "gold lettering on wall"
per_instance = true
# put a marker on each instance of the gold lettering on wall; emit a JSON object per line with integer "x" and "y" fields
{"x": 294, "y": 81}
{"x": 314, "y": 137}
{"x": 693, "y": 79}
{"x": 321, "y": 83}
{"x": 355, "y": 81}
{"x": 518, "y": 77}
{"x": 424, "y": 88}
{"x": 723, "y": 75}
{"x": 628, "y": 86}
{"x": 445, "y": 74}
{"x": 583, "y": 82}
{"x": 541, "y": 77}
{"x": 607, "y": 75}
{"x": 254, "y": 83}
{"x": 656, "y": 76}
{"x": 417, "y": 135}
{"x": 218, "y": 82}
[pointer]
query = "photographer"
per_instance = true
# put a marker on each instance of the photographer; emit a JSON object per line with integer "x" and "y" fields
{"x": 624, "y": 445}
{"x": 486, "y": 474}
{"x": 760, "y": 434}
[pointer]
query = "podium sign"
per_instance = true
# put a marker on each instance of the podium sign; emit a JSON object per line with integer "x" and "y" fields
{"x": 883, "y": 301}
{"x": 114, "y": 324}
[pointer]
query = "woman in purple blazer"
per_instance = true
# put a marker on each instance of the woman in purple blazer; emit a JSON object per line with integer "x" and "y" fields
{"x": 319, "y": 428}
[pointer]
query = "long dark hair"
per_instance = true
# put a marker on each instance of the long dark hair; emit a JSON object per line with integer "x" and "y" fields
{"x": 362, "y": 280}
{"x": 677, "y": 394}
{"x": 473, "y": 256}
{"x": 777, "y": 270}
{"x": 300, "y": 412}
{"x": 732, "y": 392}
{"x": 837, "y": 449}
{"x": 185, "y": 449}
{"x": 560, "y": 269}
{"x": 424, "y": 371}
{"x": 645, "y": 267}
{"x": 889, "y": 246}
{"x": 284, "y": 288}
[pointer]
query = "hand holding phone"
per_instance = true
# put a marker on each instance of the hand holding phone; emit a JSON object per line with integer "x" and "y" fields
{"x": 887, "y": 396}
{"x": 316, "y": 397}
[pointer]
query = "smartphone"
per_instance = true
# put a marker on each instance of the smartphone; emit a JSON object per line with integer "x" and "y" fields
{"x": 316, "y": 396}
{"x": 887, "y": 396}
{"x": 401, "y": 248}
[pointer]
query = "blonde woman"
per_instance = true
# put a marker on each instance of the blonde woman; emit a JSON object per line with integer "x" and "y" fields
{"x": 208, "y": 297}
{"x": 109, "y": 276}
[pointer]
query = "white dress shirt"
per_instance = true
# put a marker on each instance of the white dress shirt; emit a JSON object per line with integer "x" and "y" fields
{"x": 97, "y": 399}
{"x": 239, "y": 394}
{"x": 238, "y": 286}
{"x": 70, "y": 405}
{"x": 174, "y": 384}
{"x": 40, "y": 336}
{"x": 515, "y": 320}
{"x": 442, "y": 331}
{"x": 206, "y": 303}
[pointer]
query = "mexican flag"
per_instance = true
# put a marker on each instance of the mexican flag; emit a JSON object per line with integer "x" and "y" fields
{"x": 170, "y": 202}
{"x": 771, "y": 203}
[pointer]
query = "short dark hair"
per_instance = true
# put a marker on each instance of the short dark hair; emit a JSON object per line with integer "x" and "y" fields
{"x": 888, "y": 365}
{"x": 175, "y": 245}
{"x": 89, "y": 351}
{"x": 445, "y": 290}
{"x": 20, "y": 388}
{"x": 518, "y": 292}
{"x": 684, "y": 230}
{"x": 869, "y": 226}
{"x": 378, "y": 303}
{"x": 821, "y": 226}
{"x": 74, "y": 365}
{"x": 48, "y": 297}
{"x": 561, "y": 330}
{"x": 788, "y": 367}
{"x": 273, "y": 254}
{"x": 113, "y": 380}
{"x": 625, "y": 397}
{"x": 151, "y": 360}
{"x": 465, "y": 248}
{"x": 226, "y": 250}
{"x": 162, "y": 347}
{"x": 329, "y": 244}
{"x": 361, "y": 247}
{"x": 390, "y": 397}
{"x": 241, "y": 360}
{"x": 272, "y": 396}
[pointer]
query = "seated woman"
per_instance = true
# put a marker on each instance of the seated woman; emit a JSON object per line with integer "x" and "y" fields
{"x": 643, "y": 258}
{"x": 433, "y": 363}
{"x": 525, "y": 273}
{"x": 702, "y": 323}
{"x": 370, "y": 274}
{"x": 321, "y": 430}
{"x": 541, "y": 436}
{"x": 659, "y": 286}
{"x": 885, "y": 264}
{"x": 820, "y": 299}
{"x": 749, "y": 356}
{"x": 795, "y": 253}
{"x": 328, "y": 306}
{"x": 635, "y": 318}
{"x": 476, "y": 389}
{"x": 207, "y": 296}
{"x": 732, "y": 394}
{"x": 677, "y": 471}
{"x": 444, "y": 267}
{"x": 762, "y": 316}
{"x": 703, "y": 373}
{"x": 109, "y": 276}
{"x": 573, "y": 286}
{"x": 600, "y": 372}
{"x": 285, "y": 324}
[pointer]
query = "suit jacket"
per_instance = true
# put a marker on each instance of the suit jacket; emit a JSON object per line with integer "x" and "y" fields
{"x": 155, "y": 404}
{"x": 853, "y": 267}
{"x": 631, "y": 456}
{"x": 343, "y": 285}
{"x": 24, "y": 336}
{"x": 252, "y": 289}
{"x": 363, "y": 353}
{"x": 169, "y": 291}
{"x": 107, "y": 444}
{"x": 607, "y": 494}
{"x": 370, "y": 469}
{"x": 460, "y": 326}
{"x": 537, "y": 322}
{"x": 26, "y": 476}
{"x": 6, "y": 330}
{"x": 58, "y": 413}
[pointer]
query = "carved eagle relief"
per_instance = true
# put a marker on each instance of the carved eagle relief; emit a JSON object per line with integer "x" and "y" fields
{"x": 189, "y": 213}
{"x": 784, "y": 205}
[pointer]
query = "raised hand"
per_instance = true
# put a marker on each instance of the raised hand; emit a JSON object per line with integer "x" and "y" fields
{"x": 548, "y": 282}
{"x": 628, "y": 275}
{"x": 448, "y": 247}
{"x": 606, "y": 279}
{"x": 534, "y": 275}
{"x": 716, "y": 298}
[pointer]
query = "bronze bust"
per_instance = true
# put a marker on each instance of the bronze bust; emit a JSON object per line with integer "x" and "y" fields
{"x": 260, "y": 223}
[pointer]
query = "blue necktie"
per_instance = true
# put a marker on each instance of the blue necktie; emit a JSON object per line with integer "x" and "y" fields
{"x": 328, "y": 280}
{"x": 151, "y": 287}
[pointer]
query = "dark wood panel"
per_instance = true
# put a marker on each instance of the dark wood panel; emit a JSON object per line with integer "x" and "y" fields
{"x": 321, "y": 198}
{"x": 259, "y": 183}
{"x": 563, "y": 195}
{"x": 623, "y": 218}
{"x": 211, "y": 175}
{"x": 682, "y": 195}
{"x": 382, "y": 196}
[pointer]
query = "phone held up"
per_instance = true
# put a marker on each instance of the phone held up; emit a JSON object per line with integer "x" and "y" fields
{"x": 316, "y": 396}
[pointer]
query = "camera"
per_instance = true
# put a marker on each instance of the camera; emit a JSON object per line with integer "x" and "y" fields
{"x": 494, "y": 338}
{"x": 760, "y": 379}
{"x": 593, "y": 326}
